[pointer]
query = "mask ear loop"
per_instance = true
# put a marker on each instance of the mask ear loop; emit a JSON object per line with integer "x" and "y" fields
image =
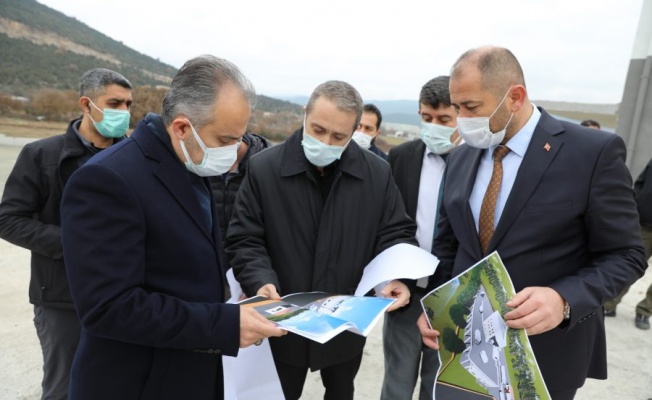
{"x": 459, "y": 138}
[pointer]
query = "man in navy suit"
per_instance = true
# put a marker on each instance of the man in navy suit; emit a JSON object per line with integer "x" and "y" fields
{"x": 142, "y": 246}
{"x": 564, "y": 220}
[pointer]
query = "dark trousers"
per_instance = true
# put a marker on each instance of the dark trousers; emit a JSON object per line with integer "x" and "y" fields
{"x": 337, "y": 380}
{"x": 565, "y": 395}
{"x": 58, "y": 331}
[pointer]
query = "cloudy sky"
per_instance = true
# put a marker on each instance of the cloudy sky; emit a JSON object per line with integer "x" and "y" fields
{"x": 575, "y": 51}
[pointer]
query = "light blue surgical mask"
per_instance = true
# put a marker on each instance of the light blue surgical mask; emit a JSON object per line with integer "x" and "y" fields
{"x": 437, "y": 138}
{"x": 318, "y": 153}
{"x": 114, "y": 123}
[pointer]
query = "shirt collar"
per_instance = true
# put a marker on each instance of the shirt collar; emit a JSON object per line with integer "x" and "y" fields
{"x": 521, "y": 140}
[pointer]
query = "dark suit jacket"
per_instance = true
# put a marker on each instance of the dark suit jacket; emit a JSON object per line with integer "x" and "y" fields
{"x": 570, "y": 223}
{"x": 145, "y": 276}
{"x": 406, "y": 161}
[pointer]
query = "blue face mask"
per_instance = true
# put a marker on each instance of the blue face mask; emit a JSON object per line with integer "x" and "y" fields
{"x": 318, "y": 153}
{"x": 114, "y": 123}
{"x": 437, "y": 137}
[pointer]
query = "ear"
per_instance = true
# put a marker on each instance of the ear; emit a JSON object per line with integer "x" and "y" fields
{"x": 85, "y": 104}
{"x": 180, "y": 128}
{"x": 517, "y": 96}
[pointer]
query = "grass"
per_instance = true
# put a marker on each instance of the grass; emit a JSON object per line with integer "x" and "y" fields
{"x": 18, "y": 127}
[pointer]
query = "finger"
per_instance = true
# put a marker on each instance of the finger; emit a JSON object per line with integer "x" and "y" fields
{"x": 388, "y": 289}
{"x": 519, "y": 298}
{"x": 522, "y": 310}
{"x": 527, "y": 321}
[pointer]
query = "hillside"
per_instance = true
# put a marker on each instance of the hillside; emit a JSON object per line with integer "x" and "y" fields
{"x": 42, "y": 47}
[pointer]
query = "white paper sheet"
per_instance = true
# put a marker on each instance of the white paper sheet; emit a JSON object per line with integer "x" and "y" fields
{"x": 401, "y": 261}
{"x": 252, "y": 375}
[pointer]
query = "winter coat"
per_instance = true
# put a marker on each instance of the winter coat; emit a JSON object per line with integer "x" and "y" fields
{"x": 284, "y": 232}
{"x": 29, "y": 211}
{"x": 643, "y": 188}
{"x": 225, "y": 187}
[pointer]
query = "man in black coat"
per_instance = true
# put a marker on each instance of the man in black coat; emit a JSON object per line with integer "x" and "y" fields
{"x": 554, "y": 199}
{"x": 30, "y": 217}
{"x": 311, "y": 213}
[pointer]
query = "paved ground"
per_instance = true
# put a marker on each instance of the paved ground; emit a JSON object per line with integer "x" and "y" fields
{"x": 630, "y": 349}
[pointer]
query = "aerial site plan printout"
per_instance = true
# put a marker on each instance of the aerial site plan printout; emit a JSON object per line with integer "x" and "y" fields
{"x": 480, "y": 357}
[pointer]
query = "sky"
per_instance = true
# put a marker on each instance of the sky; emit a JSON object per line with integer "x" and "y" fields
{"x": 575, "y": 51}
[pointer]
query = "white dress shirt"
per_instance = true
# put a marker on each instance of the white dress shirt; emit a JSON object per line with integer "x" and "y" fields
{"x": 518, "y": 145}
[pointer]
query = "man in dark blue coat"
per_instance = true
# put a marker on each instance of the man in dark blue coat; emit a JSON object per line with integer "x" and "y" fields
{"x": 143, "y": 249}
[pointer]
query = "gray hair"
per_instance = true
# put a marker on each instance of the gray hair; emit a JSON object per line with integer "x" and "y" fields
{"x": 196, "y": 86}
{"x": 94, "y": 81}
{"x": 498, "y": 67}
{"x": 345, "y": 97}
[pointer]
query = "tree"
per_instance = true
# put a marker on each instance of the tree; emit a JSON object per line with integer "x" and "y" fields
{"x": 146, "y": 99}
{"x": 458, "y": 314}
{"x": 452, "y": 342}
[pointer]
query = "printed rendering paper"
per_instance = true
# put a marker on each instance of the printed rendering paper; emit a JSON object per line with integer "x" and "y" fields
{"x": 479, "y": 355}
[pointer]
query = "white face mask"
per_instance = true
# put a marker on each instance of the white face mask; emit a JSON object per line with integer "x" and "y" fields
{"x": 437, "y": 137}
{"x": 476, "y": 132}
{"x": 362, "y": 139}
{"x": 216, "y": 161}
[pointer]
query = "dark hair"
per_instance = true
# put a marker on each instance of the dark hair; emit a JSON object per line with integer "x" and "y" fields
{"x": 373, "y": 109}
{"x": 94, "y": 81}
{"x": 499, "y": 68}
{"x": 589, "y": 123}
{"x": 435, "y": 92}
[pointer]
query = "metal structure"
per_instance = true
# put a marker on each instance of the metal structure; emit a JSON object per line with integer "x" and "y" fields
{"x": 635, "y": 112}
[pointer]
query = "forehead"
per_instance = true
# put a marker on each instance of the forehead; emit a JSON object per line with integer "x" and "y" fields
{"x": 466, "y": 85}
{"x": 114, "y": 91}
{"x": 232, "y": 111}
{"x": 369, "y": 118}
{"x": 326, "y": 114}
{"x": 442, "y": 110}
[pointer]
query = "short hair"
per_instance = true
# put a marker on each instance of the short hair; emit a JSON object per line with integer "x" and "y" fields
{"x": 196, "y": 86}
{"x": 589, "y": 123}
{"x": 93, "y": 83}
{"x": 371, "y": 108}
{"x": 345, "y": 97}
{"x": 499, "y": 68}
{"x": 436, "y": 93}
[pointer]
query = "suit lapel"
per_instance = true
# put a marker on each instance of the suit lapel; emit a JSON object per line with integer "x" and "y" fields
{"x": 461, "y": 171}
{"x": 169, "y": 171}
{"x": 177, "y": 183}
{"x": 541, "y": 151}
{"x": 414, "y": 163}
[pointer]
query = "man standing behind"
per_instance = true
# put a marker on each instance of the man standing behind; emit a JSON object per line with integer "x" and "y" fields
{"x": 30, "y": 218}
{"x": 311, "y": 213}
{"x": 554, "y": 199}
{"x": 643, "y": 189}
{"x": 418, "y": 167}
{"x": 369, "y": 129}
{"x": 143, "y": 249}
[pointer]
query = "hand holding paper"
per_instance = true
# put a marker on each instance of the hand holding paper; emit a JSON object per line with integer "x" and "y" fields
{"x": 396, "y": 290}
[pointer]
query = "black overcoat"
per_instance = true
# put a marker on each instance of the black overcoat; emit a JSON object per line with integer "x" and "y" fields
{"x": 283, "y": 232}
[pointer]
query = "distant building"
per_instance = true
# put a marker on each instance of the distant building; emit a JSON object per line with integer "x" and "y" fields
{"x": 495, "y": 329}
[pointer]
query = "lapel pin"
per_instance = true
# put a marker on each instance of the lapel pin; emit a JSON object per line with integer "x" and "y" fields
{"x": 547, "y": 147}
